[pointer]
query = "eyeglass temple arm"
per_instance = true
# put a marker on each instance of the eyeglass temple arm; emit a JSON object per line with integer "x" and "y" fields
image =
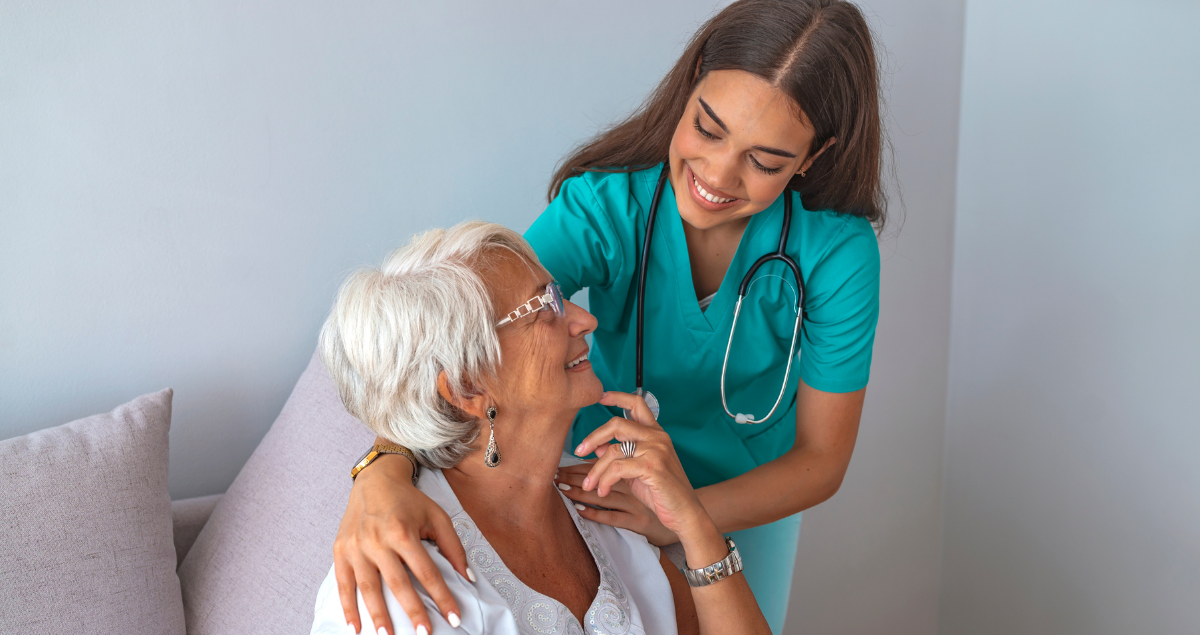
{"x": 526, "y": 309}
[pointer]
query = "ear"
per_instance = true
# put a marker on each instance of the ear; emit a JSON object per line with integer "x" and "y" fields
{"x": 809, "y": 161}
{"x": 475, "y": 406}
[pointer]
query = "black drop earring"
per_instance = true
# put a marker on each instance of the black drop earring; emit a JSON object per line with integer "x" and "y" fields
{"x": 492, "y": 457}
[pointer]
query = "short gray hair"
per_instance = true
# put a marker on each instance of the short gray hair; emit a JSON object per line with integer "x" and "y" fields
{"x": 393, "y": 330}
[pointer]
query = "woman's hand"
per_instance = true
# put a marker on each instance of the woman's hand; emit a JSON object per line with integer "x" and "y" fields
{"x": 654, "y": 477}
{"x": 622, "y": 508}
{"x": 386, "y": 519}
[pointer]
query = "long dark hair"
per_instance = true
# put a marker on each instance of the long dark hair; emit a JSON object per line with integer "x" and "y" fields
{"x": 819, "y": 52}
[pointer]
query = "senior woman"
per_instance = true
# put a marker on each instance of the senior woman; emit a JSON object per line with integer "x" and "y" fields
{"x": 462, "y": 349}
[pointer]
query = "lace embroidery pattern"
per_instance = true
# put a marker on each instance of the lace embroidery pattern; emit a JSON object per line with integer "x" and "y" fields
{"x": 538, "y": 614}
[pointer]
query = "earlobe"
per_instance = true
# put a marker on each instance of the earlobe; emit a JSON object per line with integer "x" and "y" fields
{"x": 475, "y": 406}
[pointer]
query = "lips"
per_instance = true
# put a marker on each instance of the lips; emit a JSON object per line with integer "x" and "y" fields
{"x": 704, "y": 195}
{"x": 583, "y": 357}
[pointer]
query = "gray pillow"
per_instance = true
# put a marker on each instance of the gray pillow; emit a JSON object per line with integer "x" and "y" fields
{"x": 257, "y": 564}
{"x": 85, "y": 526}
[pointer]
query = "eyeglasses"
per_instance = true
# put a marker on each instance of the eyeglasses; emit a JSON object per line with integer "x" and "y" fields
{"x": 552, "y": 299}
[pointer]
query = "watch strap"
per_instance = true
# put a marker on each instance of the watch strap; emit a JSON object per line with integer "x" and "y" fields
{"x": 716, "y": 571}
{"x": 380, "y": 449}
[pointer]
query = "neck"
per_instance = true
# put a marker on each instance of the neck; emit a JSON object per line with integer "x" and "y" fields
{"x": 520, "y": 490}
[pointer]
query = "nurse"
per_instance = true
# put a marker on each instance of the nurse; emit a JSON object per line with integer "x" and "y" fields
{"x": 771, "y": 99}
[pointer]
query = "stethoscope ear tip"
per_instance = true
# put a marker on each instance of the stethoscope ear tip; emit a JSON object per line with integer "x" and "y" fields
{"x": 741, "y": 418}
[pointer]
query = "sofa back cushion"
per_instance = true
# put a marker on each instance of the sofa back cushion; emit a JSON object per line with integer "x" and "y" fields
{"x": 85, "y": 526}
{"x": 257, "y": 564}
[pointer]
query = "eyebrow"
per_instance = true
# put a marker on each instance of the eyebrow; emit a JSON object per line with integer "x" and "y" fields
{"x": 769, "y": 150}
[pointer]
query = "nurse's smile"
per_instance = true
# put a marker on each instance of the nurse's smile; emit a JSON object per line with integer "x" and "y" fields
{"x": 707, "y": 196}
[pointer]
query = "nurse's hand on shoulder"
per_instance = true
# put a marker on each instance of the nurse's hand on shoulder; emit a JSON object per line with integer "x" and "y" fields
{"x": 386, "y": 519}
{"x": 648, "y": 493}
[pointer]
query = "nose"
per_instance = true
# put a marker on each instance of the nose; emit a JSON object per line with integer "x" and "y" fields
{"x": 722, "y": 171}
{"x": 579, "y": 321}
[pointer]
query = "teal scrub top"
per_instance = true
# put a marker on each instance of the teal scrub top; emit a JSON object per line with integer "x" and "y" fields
{"x": 590, "y": 237}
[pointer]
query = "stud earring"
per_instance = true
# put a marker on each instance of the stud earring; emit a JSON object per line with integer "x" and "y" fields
{"x": 492, "y": 457}
{"x": 801, "y": 173}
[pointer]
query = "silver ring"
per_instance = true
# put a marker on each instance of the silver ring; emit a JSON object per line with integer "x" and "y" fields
{"x": 628, "y": 448}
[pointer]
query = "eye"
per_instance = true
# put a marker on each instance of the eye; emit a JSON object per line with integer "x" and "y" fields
{"x": 764, "y": 169}
{"x": 704, "y": 133}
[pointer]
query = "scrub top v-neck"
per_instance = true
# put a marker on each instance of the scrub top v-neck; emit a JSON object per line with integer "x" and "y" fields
{"x": 590, "y": 236}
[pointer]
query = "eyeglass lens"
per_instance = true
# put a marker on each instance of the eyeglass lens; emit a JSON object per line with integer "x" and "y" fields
{"x": 556, "y": 297}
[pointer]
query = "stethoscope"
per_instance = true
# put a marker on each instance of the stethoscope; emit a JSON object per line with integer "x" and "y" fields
{"x": 779, "y": 254}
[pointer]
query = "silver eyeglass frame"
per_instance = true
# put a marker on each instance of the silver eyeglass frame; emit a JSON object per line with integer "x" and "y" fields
{"x": 552, "y": 299}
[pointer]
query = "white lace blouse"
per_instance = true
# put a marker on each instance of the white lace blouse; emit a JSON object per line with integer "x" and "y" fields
{"x": 634, "y": 596}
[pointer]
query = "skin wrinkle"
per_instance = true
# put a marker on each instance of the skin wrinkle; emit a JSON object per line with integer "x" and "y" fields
{"x": 536, "y": 397}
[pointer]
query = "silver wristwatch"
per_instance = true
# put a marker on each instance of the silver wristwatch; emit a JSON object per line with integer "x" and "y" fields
{"x": 718, "y": 570}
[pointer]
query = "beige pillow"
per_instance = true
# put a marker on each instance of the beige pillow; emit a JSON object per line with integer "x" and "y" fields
{"x": 257, "y": 564}
{"x": 86, "y": 544}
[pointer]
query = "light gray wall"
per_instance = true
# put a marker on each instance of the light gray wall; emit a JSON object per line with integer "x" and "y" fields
{"x": 1071, "y": 474}
{"x": 183, "y": 185}
{"x": 869, "y": 558}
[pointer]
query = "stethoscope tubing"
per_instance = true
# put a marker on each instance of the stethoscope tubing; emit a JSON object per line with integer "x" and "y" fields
{"x": 641, "y": 293}
{"x": 780, "y": 254}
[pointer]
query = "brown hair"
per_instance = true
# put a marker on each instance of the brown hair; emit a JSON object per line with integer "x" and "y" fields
{"x": 819, "y": 52}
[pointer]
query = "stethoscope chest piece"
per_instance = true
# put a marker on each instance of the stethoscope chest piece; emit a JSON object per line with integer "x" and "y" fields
{"x": 651, "y": 403}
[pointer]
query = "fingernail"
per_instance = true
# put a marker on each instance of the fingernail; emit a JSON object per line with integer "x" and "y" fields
{"x": 579, "y": 450}
{"x": 579, "y": 507}
{"x": 421, "y": 630}
{"x": 587, "y": 480}
{"x": 350, "y": 628}
{"x": 604, "y": 394}
{"x": 453, "y": 619}
{"x": 383, "y": 631}
{"x": 555, "y": 473}
{"x": 564, "y": 487}
{"x": 470, "y": 575}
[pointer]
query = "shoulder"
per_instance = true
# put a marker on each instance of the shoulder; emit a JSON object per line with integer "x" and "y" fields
{"x": 825, "y": 231}
{"x": 834, "y": 246}
{"x": 587, "y": 236}
{"x": 612, "y": 196}
{"x": 637, "y": 567}
{"x": 481, "y": 612}
{"x": 615, "y": 180}
{"x": 433, "y": 484}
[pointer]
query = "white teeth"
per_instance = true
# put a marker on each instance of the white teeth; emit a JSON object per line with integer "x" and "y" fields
{"x": 709, "y": 197}
{"x": 578, "y": 360}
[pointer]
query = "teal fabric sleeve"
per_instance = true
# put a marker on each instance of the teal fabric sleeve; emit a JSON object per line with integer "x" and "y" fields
{"x": 842, "y": 310}
{"x": 578, "y": 240}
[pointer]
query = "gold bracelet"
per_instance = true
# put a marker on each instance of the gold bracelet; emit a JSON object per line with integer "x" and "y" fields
{"x": 381, "y": 449}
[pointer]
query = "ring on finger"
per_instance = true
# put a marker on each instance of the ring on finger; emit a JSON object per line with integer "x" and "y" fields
{"x": 628, "y": 448}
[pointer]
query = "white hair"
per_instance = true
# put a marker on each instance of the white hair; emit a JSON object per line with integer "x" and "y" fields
{"x": 393, "y": 330}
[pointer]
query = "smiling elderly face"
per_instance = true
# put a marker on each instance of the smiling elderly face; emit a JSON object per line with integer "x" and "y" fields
{"x": 540, "y": 369}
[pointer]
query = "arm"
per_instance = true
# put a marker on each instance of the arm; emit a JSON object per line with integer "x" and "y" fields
{"x": 386, "y": 519}
{"x": 806, "y": 475}
{"x": 656, "y": 479}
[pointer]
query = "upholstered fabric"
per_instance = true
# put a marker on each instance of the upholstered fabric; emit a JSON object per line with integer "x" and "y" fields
{"x": 257, "y": 564}
{"x": 85, "y": 526}
{"x": 187, "y": 519}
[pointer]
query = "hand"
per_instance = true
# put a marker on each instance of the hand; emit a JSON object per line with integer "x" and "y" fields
{"x": 386, "y": 519}
{"x": 655, "y": 476}
{"x": 624, "y": 510}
